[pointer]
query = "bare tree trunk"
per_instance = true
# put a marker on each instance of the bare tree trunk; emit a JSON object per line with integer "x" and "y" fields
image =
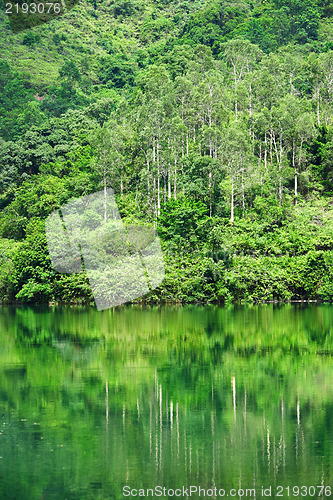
{"x": 278, "y": 154}
{"x": 236, "y": 107}
{"x": 104, "y": 182}
{"x": 250, "y": 102}
{"x": 210, "y": 193}
{"x": 295, "y": 170}
{"x": 155, "y": 207}
{"x": 232, "y": 200}
{"x": 158, "y": 180}
{"x": 169, "y": 182}
{"x": 158, "y": 193}
{"x": 280, "y": 184}
{"x": 175, "y": 180}
{"x": 318, "y": 108}
{"x": 259, "y": 165}
{"x": 169, "y": 170}
{"x": 271, "y": 145}
{"x": 243, "y": 193}
{"x": 265, "y": 156}
{"x": 165, "y": 190}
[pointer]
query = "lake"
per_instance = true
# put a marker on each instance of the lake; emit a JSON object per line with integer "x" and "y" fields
{"x": 232, "y": 398}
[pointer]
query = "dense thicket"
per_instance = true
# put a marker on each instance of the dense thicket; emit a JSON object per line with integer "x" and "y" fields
{"x": 211, "y": 121}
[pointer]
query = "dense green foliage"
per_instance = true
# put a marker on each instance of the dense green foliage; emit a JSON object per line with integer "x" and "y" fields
{"x": 212, "y": 121}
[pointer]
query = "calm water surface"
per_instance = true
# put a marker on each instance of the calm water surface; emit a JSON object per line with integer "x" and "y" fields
{"x": 227, "y": 397}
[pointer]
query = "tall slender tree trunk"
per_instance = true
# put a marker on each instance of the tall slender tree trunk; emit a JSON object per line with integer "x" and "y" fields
{"x": 259, "y": 169}
{"x": 236, "y": 105}
{"x": 155, "y": 206}
{"x": 295, "y": 171}
{"x": 251, "y": 132}
{"x": 158, "y": 193}
{"x": 165, "y": 190}
{"x": 169, "y": 170}
{"x": 243, "y": 193}
{"x": 158, "y": 180}
{"x": 265, "y": 154}
{"x": 271, "y": 146}
{"x": 169, "y": 182}
{"x": 250, "y": 102}
{"x": 210, "y": 193}
{"x": 280, "y": 188}
{"x": 318, "y": 107}
{"x": 280, "y": 185}
{"x": 175, "y": 180}
{"x": 105, "y": 210}
{"x": 279, "y": 155}
{"x": 232, "y": 200}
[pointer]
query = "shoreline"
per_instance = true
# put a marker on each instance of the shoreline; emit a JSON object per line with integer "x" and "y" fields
{"x": 165, "y": 303}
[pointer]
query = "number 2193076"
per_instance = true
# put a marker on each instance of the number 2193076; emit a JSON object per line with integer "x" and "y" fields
{"x": 33, "y": 8}
{"x": 303, "y": 491}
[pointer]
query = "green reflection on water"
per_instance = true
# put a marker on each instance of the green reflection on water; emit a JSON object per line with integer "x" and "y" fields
{"x": 233, "y": 397}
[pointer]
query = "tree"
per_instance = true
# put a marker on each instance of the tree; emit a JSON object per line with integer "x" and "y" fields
{"x": 116, "y": 72}
{"x": 325, "y": 62}
{"x": 106, "y": 159}
{"x": 70, "y": 73}
{"x": 235, "y": 155}
{"x": 242, "y": 56}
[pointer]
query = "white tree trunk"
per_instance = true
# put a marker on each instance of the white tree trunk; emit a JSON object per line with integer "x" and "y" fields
{"x": 232, "y": 200}
{"x": 243, "y": 193}
{"x": 295, "y": 170}
{"x": 158, "y": 180}
{"x": 175, "y": 180}
{"x": 104, "y": 182}
{"x": 210, "y": 193}
{"x": 169, "y": 182}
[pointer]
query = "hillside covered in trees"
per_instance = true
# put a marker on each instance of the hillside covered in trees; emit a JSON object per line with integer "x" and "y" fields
{"x": 211, "y": 120}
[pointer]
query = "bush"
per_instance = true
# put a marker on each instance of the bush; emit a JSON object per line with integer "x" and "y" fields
{"x": 30, "y": 39}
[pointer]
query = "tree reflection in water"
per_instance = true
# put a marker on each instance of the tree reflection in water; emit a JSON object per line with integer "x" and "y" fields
{"x": 231, "y": 397}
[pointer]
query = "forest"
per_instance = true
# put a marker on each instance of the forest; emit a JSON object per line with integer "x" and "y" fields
{"x": 212, "y": 121}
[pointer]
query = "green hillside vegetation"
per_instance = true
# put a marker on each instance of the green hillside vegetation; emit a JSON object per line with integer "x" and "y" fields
{"x": 211, "y": 121}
